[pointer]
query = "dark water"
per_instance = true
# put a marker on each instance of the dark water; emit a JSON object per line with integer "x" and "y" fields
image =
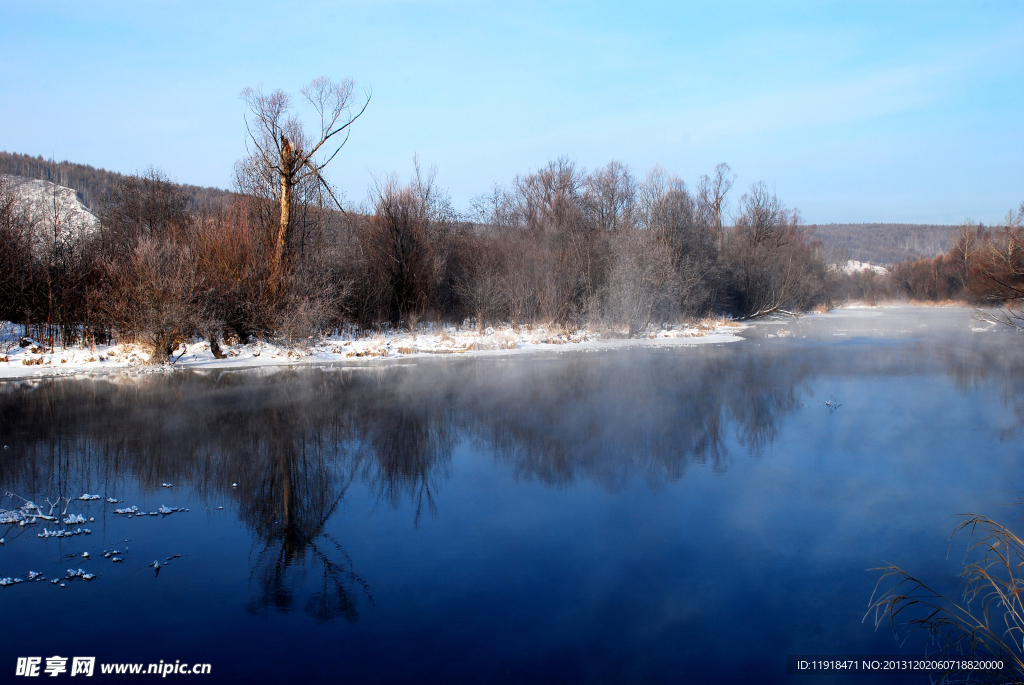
{"x": 642, "y": 515}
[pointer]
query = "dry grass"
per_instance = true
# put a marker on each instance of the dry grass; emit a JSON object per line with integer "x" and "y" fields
{"x": 988, "y": 619}
{"x": 712, "y": 323}
{"x": 938, "y": 303}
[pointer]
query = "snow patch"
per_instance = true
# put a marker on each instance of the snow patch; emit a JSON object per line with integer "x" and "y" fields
{"x": 426, "y": 341}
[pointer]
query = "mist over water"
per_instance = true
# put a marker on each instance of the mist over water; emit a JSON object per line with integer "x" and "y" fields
{"x": 635, "y": 515}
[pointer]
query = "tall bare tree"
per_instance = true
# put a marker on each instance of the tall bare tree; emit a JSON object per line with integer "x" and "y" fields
{"x": 287, "y": 155}
{"x": 711, "y": 192}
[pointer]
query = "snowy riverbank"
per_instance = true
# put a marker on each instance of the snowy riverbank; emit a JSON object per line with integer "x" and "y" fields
{"x": 35, "y": 360}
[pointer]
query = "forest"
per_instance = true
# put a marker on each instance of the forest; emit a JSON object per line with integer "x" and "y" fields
{"x": 280, "y": 257}
{"x": 559, "y": 244}
{"x": 983, "y": 266}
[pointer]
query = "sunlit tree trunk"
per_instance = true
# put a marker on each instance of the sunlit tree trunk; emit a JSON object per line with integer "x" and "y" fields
{"x": 288, "y": 160}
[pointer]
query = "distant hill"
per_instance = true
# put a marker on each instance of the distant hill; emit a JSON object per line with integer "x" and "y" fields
{"x": 885, "y": 244}
{"x": 92, "y": 184}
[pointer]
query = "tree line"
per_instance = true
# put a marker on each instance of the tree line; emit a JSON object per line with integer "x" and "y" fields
{"x": 558, "y": 245}
{"x": 282, "y": 257}
{"x": 92, "y": 185}
{"x": 983, "y": 266}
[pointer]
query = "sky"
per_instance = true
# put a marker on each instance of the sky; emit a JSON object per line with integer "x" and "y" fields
{"x": 852, "y": 112}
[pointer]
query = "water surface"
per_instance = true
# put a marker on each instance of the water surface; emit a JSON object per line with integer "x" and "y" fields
{"x": 637, "y": 515}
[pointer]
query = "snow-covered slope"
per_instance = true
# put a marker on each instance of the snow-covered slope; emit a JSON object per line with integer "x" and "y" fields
{"x": 56, "y": 215}
{"x": 853, "y": 266}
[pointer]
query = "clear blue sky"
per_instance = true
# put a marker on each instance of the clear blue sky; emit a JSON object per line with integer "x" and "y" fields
{"x": 853, "y": 112}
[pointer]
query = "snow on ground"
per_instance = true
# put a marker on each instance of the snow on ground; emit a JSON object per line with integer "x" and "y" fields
{"x": 36, "y": 359}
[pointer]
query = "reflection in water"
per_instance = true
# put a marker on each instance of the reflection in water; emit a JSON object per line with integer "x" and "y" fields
{"x": 295, "y": 441}
{"x": 287, "y": 498}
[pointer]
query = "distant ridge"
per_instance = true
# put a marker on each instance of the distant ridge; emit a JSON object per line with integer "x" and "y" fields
{"x": 91, "y": 184}
{"x": 885, "y": 244}
{"x": 874, "y": 243}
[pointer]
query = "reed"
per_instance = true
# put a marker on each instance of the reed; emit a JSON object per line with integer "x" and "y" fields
{"x": 987, "y": 619}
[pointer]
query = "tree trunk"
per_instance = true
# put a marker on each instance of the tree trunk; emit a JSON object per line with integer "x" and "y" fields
{"x": 287, "y": 179}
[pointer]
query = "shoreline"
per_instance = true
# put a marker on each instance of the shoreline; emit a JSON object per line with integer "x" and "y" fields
{"x": 33, "y": 362}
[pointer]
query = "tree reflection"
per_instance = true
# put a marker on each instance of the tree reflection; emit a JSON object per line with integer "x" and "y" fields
{"x": 287, "y": 499}
{"x": 297, "y": 442}
{"x": 410, "y": 449}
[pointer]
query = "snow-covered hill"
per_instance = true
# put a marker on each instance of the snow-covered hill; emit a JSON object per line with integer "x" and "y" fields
{"x": 55, "y": 214}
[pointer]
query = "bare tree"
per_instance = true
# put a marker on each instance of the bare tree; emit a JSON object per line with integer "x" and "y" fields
{"x": 641, "y": 274}
{"x": 671, "y": 213}
{"x": 610, "y": 195}
{"x": 285, "y": 153}
{"x": 405, "y": 249}
{"x": 711, "y": 192}
{"x": 775, "y": 266}
{"x": 965, "y": 250}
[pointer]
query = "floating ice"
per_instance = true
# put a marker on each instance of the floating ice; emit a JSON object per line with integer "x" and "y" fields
{"x": 85, "y": 555}
{"x": 117, "y": 559}
{"x": 4, "y": 582}
{"x": 127, "y": 510}
{"x": 72, "y": 519}
{"x": 88, "y": 497}
{"x": 11, "y": 517}
{"x": 167, "y": 485}
{"x": 35, "y": 575}
{"x": 63, "y": 533}
{"x": 111, "y": 500}
{"x": 78, "y": 573}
